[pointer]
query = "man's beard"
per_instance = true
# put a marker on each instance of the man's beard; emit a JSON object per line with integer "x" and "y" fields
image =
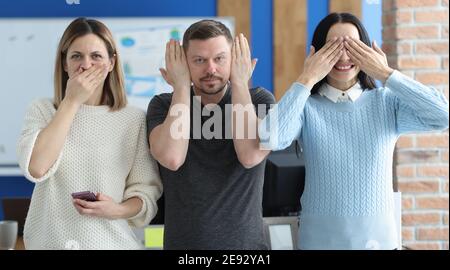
{"x": 211, "y": 91}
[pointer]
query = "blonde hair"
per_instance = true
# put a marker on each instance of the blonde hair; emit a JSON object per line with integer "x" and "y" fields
{"x": 114, "y": 88}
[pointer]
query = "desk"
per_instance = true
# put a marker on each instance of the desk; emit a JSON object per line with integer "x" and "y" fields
{"x": 19, "y": 244}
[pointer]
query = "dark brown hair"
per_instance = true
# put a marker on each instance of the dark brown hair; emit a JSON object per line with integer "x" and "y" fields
{"x": 206, "y": 29}
{"x": 320, "y": 36}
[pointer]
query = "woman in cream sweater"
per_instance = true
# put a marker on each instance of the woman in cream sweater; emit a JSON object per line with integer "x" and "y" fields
{"x": 87, "y": 138}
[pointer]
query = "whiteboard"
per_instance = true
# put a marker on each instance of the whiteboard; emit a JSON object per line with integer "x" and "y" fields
{"x": 28, "y": 51}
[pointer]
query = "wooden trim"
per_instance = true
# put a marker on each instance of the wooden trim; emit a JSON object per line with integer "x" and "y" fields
{"x": 290, "y": 28}
{"x": 240, "y": 10}
{"x": 350, "y": 6}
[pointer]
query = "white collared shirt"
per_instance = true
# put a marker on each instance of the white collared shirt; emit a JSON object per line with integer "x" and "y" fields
{"x": 336, "y": 95}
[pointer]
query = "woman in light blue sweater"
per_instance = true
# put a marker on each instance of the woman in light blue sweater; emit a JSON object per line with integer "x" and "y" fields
{"x": 348, "y": 129}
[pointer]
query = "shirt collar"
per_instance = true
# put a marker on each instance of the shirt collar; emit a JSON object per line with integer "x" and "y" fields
{"x": 336, "y": 95}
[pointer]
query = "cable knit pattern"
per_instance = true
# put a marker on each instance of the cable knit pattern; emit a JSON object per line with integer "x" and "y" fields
{"x": 348, "y": 148}
{"x": 104, "y": 152}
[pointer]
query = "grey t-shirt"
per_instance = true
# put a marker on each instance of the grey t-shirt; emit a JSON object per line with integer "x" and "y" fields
{"x": 211, "y": 201}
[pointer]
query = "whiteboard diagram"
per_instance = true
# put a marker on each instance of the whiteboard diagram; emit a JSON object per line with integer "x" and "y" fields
{"x": 28, "y": 51}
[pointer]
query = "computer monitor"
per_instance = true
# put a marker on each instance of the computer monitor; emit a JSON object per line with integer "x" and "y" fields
{"x": 16, "y": 208}
{"x": 284, "y": 182}
{"x": 283, "y": 185}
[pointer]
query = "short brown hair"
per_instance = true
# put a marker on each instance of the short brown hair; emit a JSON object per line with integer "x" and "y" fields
{"x": 206, "y": 29}
{"x": 114, "y": 88}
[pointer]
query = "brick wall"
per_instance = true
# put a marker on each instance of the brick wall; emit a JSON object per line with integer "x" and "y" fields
{"x": 415, "y": 38}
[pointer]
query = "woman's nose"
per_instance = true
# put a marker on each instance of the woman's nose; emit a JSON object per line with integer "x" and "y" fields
{"x": 344, "y": 56}
{"x": 86, "y": 63}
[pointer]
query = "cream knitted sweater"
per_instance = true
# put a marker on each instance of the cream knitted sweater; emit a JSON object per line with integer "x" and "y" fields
{"x": 104, "y": 152}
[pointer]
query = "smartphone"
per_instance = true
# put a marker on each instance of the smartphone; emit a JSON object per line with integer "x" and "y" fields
{"x": 85, "y": 195}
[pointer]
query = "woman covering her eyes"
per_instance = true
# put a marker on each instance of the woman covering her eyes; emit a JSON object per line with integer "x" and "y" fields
{"x": 348, "y": 128}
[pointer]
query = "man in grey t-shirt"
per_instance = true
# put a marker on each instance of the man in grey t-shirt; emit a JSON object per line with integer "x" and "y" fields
{"x": 212, "y": 168}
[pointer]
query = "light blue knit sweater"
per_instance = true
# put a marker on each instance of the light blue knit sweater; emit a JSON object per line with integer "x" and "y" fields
{"x": 348, "y": 149}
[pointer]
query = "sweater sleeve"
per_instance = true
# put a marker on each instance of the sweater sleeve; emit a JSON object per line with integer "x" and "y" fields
{"x": 419, "y": 108}
{"x": 143, "y": 181}
{"x": 37, "y": 117}
{"x": 284, "y": 122}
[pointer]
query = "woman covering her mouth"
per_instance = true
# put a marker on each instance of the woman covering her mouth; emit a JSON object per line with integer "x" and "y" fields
{"x": 348, "y": 129}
